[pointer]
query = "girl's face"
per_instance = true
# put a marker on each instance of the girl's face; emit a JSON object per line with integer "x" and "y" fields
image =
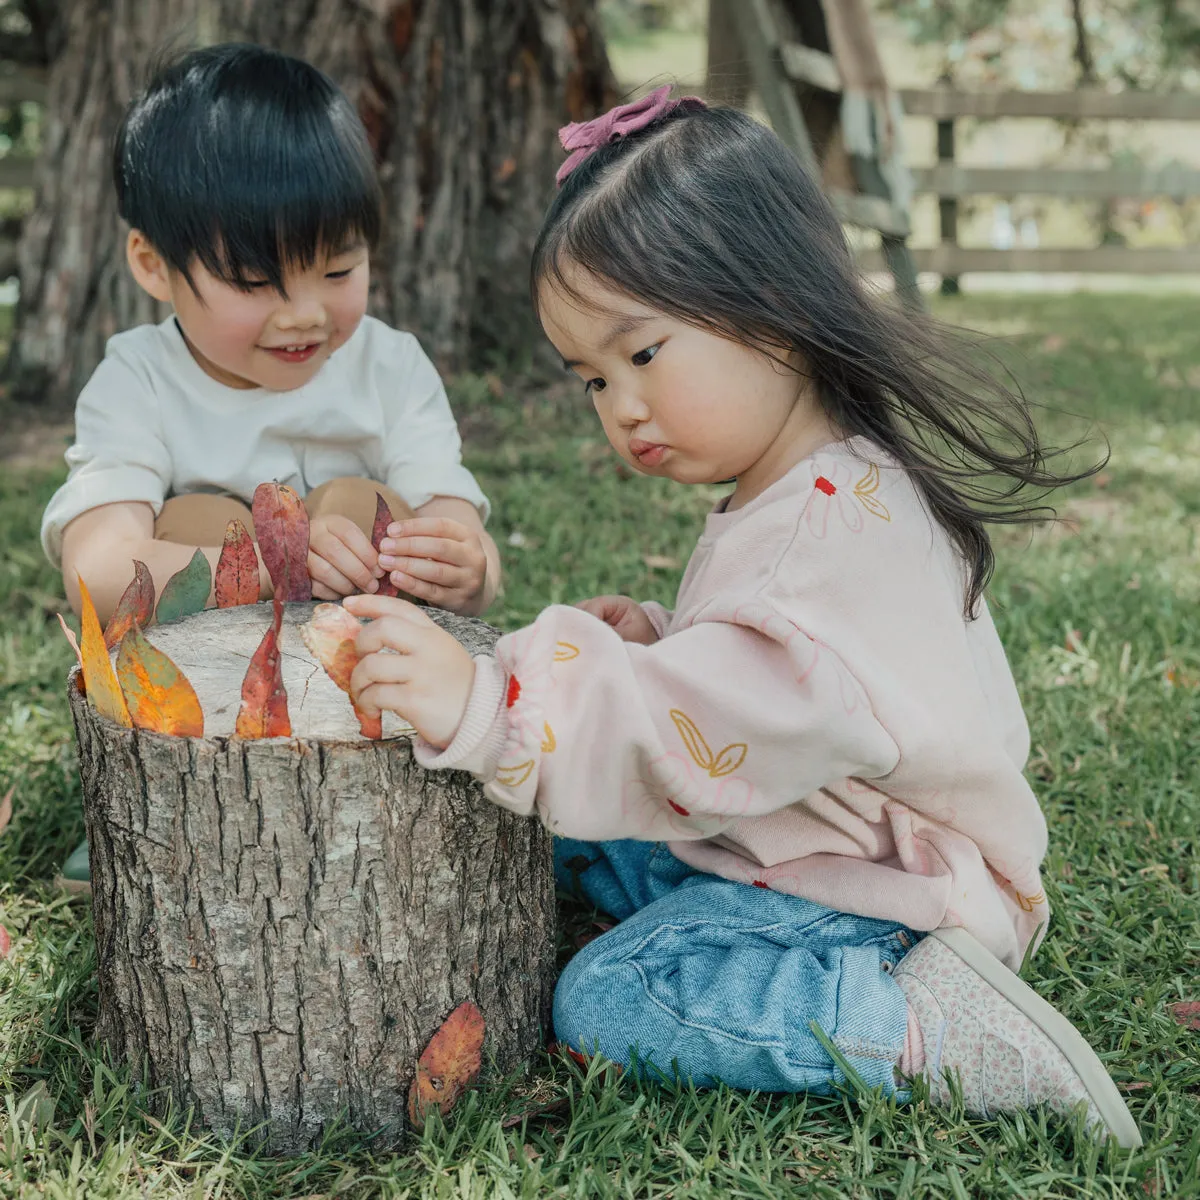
{"x": 262, "y": 338}
{"x": 679, "y": 401}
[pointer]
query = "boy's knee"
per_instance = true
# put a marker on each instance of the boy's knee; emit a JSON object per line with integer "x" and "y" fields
{"x": 353, "y": 497}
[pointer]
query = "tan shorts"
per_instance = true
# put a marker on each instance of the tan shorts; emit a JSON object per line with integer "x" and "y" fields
{"x": 200, "y": 518}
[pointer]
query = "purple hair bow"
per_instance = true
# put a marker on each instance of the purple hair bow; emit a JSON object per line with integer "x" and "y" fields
{"x": 584, "y": 137}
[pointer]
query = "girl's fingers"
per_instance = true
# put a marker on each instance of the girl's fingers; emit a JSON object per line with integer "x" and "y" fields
{"x": 380, "y": 669}
{"x": 371, "y": 607}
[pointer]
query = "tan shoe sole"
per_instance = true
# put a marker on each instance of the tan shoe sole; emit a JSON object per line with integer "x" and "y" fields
{"x": 1074, "y": 1047}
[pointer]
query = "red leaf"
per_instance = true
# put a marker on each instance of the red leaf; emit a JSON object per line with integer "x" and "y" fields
{"x": 264, "y": 711}
{"x": 448, "y": 1065}
{"x": 136, "y": 606}
{"x": 6, "y": 807}
{"x": 1187, "y": 1013}
{"x": 236, "y": 580}
{"x": 383, "y": 518}
{"x": 281, "y": 524}
{"x": 5, "y": 942}
{"x": 330, "y": 635}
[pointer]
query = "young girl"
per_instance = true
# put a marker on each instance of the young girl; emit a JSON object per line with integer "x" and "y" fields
{"x": 249, "y": 187}
{"x": 801, "y": 791}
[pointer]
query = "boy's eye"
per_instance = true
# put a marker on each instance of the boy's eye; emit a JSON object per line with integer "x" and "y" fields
{"x": 642, "y": 357}
{"x": 253, "y": 285}
{"x": 595, "y": 385}
{"x": 338, "y": 274}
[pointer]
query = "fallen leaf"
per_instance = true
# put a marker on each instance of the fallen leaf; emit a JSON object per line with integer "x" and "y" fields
{"x": 448, "y": 1065}
{"x": 1074, "y": 641}
{"x": 264, "y": 712}
{"x": 6, "y": 807}
{"x": 660, "y": 562}
{"x": 281, "y": 524}
{"x": 99, "y": 679}
{"x": 330, "y": 635}
{"x": 383, "y": 518}
{"x": 236, "y": 578}
{"x": 186, "y": 592}
{"x": 135, "y": 607}
{"x": 158, "y": 693}
{"x": 70, "y": 636}
{"x": 5, "y": 942}
{"x": 1187, "y": 1013}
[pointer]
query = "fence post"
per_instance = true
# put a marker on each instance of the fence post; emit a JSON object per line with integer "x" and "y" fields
{"x": 947, "y": 205}
{"x": 728, "y": 76}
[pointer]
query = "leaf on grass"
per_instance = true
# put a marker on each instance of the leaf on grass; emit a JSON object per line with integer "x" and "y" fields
{"x": 281, "y": 525}
{"x": 186, "y": 592}
{"x": 6, "y": 807}
{"x": 136, "y": 606}
{"x": 99, "y": 679}
{"x": 236, "y": 578}
{"x": 69, "y": 633}
{"x": 158, "y": 693}
{"x": 1187, "y": 1013}
{"x": 330, "y": 635}
{"x": 35, "y": 1109}
{"x": 264, "y": 711}
{"x": 5, "y": 942}
{"x": 448, "y": 1065}
{"x": 383, "y": 518}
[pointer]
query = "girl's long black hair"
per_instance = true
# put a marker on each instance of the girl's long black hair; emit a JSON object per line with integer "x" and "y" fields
{"x": 707, "y": 216}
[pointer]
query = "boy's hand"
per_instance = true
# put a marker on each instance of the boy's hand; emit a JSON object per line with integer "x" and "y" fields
{"x": 626, "y": 616}
{"x": 438, "y": 560}
{"x": 341, "y": 559}
{"x": 411, "y": 667}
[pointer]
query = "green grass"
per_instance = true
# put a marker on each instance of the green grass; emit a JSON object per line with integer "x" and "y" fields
{"x": 1101, "y": 616}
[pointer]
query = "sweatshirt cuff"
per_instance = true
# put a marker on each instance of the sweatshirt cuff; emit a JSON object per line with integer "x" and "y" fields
{"x": 480, "y": 739}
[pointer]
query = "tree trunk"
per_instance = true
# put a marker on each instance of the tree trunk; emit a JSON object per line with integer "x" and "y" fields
{"x": 462, "y": 99}
{"x": 282, "y": 925}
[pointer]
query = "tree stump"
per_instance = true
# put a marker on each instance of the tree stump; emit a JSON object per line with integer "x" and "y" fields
{"x": 282, "y": 924}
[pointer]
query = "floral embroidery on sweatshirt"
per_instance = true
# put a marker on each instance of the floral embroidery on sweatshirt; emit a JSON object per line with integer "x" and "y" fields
{"x": 724, "y": 762}
{"x": 835, "y": 493}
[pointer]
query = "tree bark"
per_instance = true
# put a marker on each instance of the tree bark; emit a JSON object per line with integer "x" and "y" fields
{"x": 462, "y": 99}
{"x": 282, "y": 925}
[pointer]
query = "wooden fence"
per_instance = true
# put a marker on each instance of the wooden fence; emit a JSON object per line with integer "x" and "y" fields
{"x": 949, "y": 181}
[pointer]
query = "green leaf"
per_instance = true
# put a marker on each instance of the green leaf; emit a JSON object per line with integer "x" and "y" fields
{"x": 186, "y": 592}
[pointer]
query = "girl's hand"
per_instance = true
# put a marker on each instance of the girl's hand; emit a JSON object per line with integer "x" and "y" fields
{"x": 438, "y": 560}
{"x": 341, "y": 559}
{"x": 411, "y": 667}
{"x": 626, "y": 616}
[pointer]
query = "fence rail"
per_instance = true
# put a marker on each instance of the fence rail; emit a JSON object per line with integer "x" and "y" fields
{"x": 949, "y": 181}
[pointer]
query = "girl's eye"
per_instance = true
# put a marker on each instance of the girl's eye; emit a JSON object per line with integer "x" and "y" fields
{"x": 642, "y": 357}
{"x": 595, "y": 385}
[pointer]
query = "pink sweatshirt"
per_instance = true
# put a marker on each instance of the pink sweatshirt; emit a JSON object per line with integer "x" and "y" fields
{"x": 818, "y": 716}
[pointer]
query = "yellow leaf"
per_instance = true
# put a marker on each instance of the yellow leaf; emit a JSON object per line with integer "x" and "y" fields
{"x": 159, "y": 695}
{"x": 728, "y": 760}
{"x": 99, "y": 679}
{"x": 693, "y": 739}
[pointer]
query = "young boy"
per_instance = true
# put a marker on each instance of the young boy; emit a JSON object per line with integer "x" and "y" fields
{"x": 249, "y": 187}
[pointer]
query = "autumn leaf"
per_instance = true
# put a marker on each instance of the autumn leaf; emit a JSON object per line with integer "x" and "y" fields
{"x": 330, "y": 635}
{"x": 383, "y": 518}
{"x": 6, "y": 807}
{"x": 264, "y": 712}
{"x": 186, "y": 592}
{"x": 136, "y": 606}
{"x": 69, "y": 634}
{"x": 281, "y": 525}
{"x": 158, "y": 693}
{"x": 5, "y": 942}
{"x": 1187, "y": 1013}
{"x": 236, "y": 578}
{"x": 448, "y": 1065}
{"x": 99, "y": 680}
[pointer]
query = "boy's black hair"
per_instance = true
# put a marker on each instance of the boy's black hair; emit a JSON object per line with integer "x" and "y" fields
{"x": 706, "y": 215}
{"x": 245, "y": 160}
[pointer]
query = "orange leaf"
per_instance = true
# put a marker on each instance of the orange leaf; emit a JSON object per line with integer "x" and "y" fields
{"x": 330, "y": 635}
{"x": 264, "y": 712}
{"x": 69, "y": 633}
{"x": 159, "y": 695}
{"x": 281, "y": 524}
{"x": 383, "y": 518}
{"x": 99, "y": 680}
{"x": 135, "y": 607}
{"x": 448, "y": 1065}
{"x": 236, "y": 580}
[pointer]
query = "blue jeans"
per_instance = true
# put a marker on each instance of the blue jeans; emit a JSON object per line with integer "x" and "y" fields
{"x": 713, "y": 980}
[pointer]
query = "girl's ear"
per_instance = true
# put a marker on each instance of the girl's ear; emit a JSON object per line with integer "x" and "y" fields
{"x": 148, "y": 267}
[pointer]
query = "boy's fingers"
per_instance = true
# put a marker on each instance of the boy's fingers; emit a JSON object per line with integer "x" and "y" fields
{"x": 423, "y": 547}
{"x": 323, "y": 572}
{"x": 349, "y": 560}
{"x": 430, "y": 570}
{"x": 437, "y": 527}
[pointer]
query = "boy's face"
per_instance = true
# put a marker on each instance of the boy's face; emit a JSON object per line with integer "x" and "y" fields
{"x": 261, "y": 338}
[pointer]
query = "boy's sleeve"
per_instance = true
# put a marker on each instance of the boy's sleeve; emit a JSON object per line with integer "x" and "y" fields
{"x": 738, "y": 715}
{"x": 118, "y": 455}
{"x": 422, "y": 453}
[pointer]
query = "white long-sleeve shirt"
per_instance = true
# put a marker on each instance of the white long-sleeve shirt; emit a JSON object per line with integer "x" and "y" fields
{"x": 818, "y": 716}
{"x": 151, "y": 424}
